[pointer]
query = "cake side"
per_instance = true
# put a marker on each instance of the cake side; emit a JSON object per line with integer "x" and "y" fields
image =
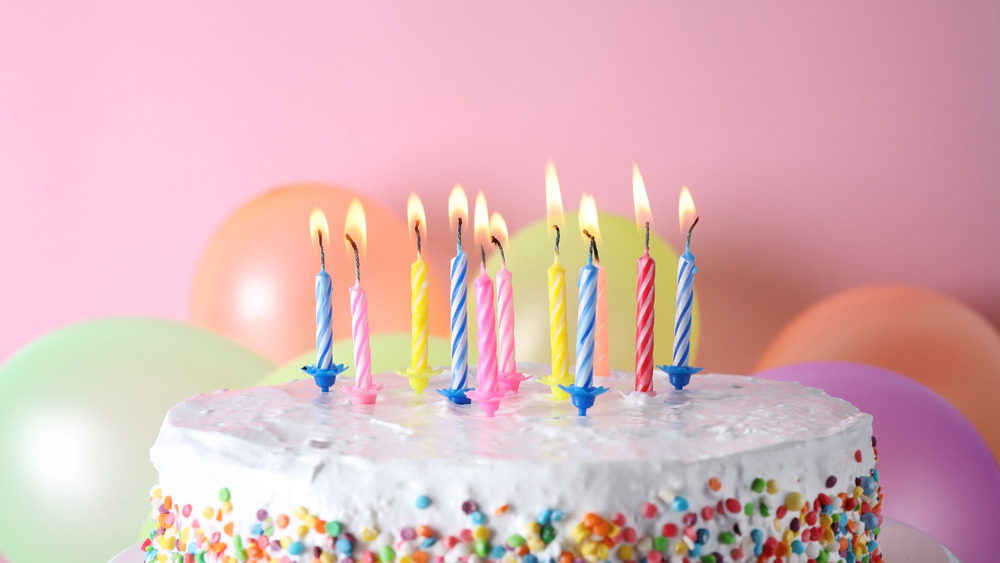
{"x": 732, "y": 467}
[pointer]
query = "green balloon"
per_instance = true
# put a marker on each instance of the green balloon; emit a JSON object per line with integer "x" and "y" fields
{"x": 390, "y": 351}
{"x": 530, "y": 253}
{"x": 79, "y": 409}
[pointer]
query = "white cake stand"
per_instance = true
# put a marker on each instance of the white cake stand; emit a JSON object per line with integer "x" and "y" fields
{"x": 900, "y": 543}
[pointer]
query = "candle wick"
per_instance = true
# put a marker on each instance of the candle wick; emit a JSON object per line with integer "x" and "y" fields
{"x": 593, "y": 247}
{"x": 558, "y": 235}
{"x": 459, "y": 237}
{"x": 691, "y": 229}
{"x": 503, "y": 258}
{"x": 357, "y": 259}
{"x": 647, "y": 236}
{"x": 416, "y": 229}
{"x": 482, "y": 254}
{"x": 322, "y": 252}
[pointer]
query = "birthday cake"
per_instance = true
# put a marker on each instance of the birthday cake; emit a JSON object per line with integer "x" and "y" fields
{"x": 729, "y": 469}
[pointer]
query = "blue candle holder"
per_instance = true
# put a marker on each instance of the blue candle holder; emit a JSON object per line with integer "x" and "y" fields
{"x": 325, "y": 378}
{"x": 679, "y": 375}
{"x": 456, "y": 396}
{"x": 583, "y": 397}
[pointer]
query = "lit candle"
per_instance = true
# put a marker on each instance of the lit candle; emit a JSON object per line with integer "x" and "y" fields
{"x": 645, "y": 291}
{"x": 418, "y": 372}
{"x": 487, "y": 391}
{"x": 680, "y": 372}
{"x": 324, "y": 371}
{"x": 363, "y": 392}
{"x": 583, "y": 390}
{"x": 510, "y": 378}
{"x": 458, "y": 212}
{"x": 558, "y": 339}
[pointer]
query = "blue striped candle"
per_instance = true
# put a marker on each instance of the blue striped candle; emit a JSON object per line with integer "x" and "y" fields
{"x": 685, "y": 303}
{"x": 324, "y": 321}
{"x": 459, "y": 318}
{"x": 585, "y": 325}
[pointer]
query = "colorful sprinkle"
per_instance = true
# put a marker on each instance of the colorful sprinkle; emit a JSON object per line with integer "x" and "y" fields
{"x": 423, "y": 501}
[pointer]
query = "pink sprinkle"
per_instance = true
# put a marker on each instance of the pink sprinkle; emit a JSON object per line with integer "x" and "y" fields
{"x": 186, "y": 511}
{"x": 451, "y": 542}
{"x": 618, "y": 519}
{"x": 654, "y": 557}
{"x": 216, "y": 537}
{"x": 649, "y": 510}
{"x": 368, "y": 557}
{"x": 707, "y": 513}
{"x": 737, "y": 554}
{"x": 465, "y": 534}
{"x": 169, "y": 520}
{"x": 631, "y": 535}
{"x": 262, "y": 541}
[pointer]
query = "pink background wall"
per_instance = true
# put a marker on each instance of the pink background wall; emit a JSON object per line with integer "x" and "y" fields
{"x": 827, "y": 144}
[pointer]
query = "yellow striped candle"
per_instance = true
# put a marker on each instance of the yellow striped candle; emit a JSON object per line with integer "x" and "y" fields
{"x": 419, "y": 372}
{"x": 558, "y": 335}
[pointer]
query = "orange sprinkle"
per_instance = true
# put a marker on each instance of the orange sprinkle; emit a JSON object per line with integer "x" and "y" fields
{"x": 590, "y": 519}
{"x": 162, "y": 520}
{"x": 320, "y": 526}
{"x": 714, "y": 484}
{"x": 602, "y": 529}
{"x": 421, "y": 557}
{"x": 851, "y": 526}
{"x": 424, "y": 531}
{"x": 523, "y": 550}
{"x": 219, "y": 548}
{"x": 565, "y": 557}
{"x": 218, "y": 516}
{"x": 610, "y": 542}
{"x": 168, "y": 502}
{"x": 501, "y": 509}
{"x": 228, "y": 529}
{"x": 781, "y": 550}
{"x": 281, "y": 521}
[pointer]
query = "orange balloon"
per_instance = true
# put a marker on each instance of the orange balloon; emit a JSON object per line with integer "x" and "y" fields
{"x": 255, "y": 279}
{"x": 924, "y": 335}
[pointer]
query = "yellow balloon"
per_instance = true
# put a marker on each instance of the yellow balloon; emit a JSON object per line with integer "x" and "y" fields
{"x": 530, "y": 252}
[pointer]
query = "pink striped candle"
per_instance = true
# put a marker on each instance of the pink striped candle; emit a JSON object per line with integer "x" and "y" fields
{"x": 359, "y": 326}
{"x": 645, "y": 298}
{"x": 486, "y": 373}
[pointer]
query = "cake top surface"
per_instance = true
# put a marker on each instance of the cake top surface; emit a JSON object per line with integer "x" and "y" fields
{"x": 716, "y": 415}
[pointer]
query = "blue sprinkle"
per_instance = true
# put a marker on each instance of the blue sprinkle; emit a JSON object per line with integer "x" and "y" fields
{"x": 850, "y": 557}
{"x": 869, "y": 486}
{"x": 798, "y": 548}
{"x": 478, "y": 517}
{"x": 870, "y": 521}
{"x": 343, "y": 545}
{"x": 680, "y": 504}
{"x": 758, "y": 549}
{"x": 558, "y": 515}
{"x": 428, "y": 542}
{"x": 695, "y": 551}
{"x": 544, "y": 517}
{"x": 702, "y": 536}
{"x": 757, "y": 536}
{"x": 529, "y": 558}
{"x": 875, "y": 474}
{"x": 423, "y": 501}
{"x": 192, "y": 547}
{"x": 497, "y": 552}
{"x": 872, "y": 546}
{"x": 297, "y": 548}
{"x": 257, "y": 529}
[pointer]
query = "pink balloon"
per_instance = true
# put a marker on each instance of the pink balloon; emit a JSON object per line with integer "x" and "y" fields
{"x": 937, "y": 472}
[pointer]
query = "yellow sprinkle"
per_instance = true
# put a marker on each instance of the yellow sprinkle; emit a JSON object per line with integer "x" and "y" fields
{"x": 788, "y": 537}
{"x": 858, "y": 491}
{"x": 227, "y": 507}
{"x": 536, "y": 544}
{"x": 303, "y": 530}
{"x": 310, "y": 520}
{"x": 406, "y": 559}
{"x": 327, "y": 557}
{"x": 533, "y": 528}
{"x": 795, "y": 501}
{"x": 208, "y": 513}
{"x": 369, "y": 534}
{"x": 481, "y": 533}
{"x": 158, "y": 493}
{"x": 825, "y": 521}
{"x": 777, "y": 524}
{"x": 301, "y": 512}
{"x": 589, "y": 551}
{"x": 580, "y": 533}
{"x": 185, "y": 535}
{"x": 626, "y": 553}
{"x": 615, "y": 530}
{"x": 602, "y": 551}
{"x": 162, "y": 558}
{"x": 285, "y": 542}
{"x": 772, "y": 487}
{"x": 508, "y": 558}
{"x": 681, "y": 548}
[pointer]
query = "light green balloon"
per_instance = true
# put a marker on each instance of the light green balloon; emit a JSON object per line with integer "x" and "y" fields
{"x": 529, "y": 255}
{"x": 390, "y": 351}
{"x": 79, "y": 410}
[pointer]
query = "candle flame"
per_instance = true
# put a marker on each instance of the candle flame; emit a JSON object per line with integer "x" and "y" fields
{"x": 415, "y": 216}
{"x": 588, "y": 218}
{"x": 498, "y": 228}
{"x": 643, "y": 214}
{"x": 553, "y": 197}
{"x": 686, "y": 210}
{"x": 318, "y": 226}
{"x": 356, "y": 226}
{"x": 482, "y": 222}
{"x": 458, "y": 207}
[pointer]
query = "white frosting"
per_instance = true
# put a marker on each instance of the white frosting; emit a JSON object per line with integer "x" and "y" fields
{"x": 282, "y": 447}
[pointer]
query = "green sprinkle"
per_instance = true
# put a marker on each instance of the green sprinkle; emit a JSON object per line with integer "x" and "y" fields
{"x": 201, "y": 557}
{"x": 661, "y": 543}
{"x": 708, "y": 558}
{"x": 823, "y": 556}
{"x": 548, "y": 533}
{"x": 333, "y": 528}
{"x": 387, "y": 555}
{"x": 224, "y": 494}
{"x": 515, "y": 540}
{"x": 758, "y": 485}
{"x": 482, "y": 548}
{"x": 748, "y": 510}
{"x": 727, "y": 538}
{"x": 764, "y": 510}
{"x": 177, "y": 558}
